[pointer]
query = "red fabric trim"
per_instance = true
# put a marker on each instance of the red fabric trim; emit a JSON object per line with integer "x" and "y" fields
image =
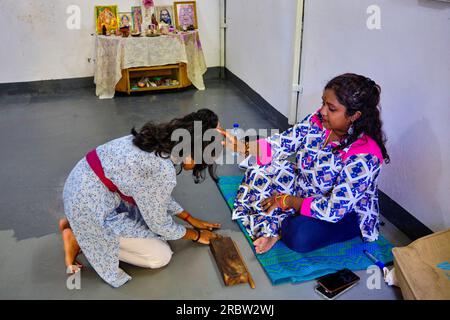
{"x": 94, "y": 162}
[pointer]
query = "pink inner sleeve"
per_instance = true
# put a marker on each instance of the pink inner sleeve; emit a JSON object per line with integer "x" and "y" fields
{"x": 265, "y": 153}
{"x": 305, "y": 210}
{"x": 316, "y": 120}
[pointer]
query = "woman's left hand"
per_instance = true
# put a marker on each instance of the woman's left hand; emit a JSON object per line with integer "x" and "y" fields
{"x": 203, "y": 225}
{"x": 269, "y": 204}
{"x": 275, "y": 201}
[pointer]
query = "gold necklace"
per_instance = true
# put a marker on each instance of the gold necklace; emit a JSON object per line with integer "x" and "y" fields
{"x": 328, "y": 139}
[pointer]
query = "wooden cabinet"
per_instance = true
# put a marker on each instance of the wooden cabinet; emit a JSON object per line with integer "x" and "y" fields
{"x": 171, "y": 71}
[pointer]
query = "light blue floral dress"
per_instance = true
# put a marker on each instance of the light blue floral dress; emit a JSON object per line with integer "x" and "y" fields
{"x": 99, "y": 217}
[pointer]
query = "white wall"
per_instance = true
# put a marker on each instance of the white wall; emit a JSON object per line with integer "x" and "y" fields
{"x": 260, "y": 47}
{"x": 36, "y": 45}
{"x": 410, "y": 58}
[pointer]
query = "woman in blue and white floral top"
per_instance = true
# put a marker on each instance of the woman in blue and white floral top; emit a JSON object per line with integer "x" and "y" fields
{"x": 118, "y": 201}
{"x": 330, "y": 193}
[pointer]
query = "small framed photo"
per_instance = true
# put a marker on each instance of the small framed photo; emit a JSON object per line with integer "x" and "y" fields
{"x": 125, "y": 19}
{"x": 185, "y": 14}
{"x": 106, "y": 16}
{"x": 164, "y": 15}
{"x": 136, "y": 16}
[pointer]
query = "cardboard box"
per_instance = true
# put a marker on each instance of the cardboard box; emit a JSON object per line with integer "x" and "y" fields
{"x": 423, "y": 267}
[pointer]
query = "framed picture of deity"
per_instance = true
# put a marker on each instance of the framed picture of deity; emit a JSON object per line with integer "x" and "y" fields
{"x": 125, "y": 19}
{"x": 136, "y": 16}
{"x": 185, "y": 15}
{"x": 106, "y": 16}
{"x": 164, "y": 15}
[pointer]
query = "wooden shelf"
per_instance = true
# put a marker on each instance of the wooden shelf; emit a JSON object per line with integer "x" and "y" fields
{"x": 169, "y": 66}
{"x": 156, "y": 88}
{"x": 173, "y": 71}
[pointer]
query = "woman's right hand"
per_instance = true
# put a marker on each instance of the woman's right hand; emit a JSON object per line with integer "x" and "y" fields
{"x": 206, "y": 236}
{"x": 231, "y": 142}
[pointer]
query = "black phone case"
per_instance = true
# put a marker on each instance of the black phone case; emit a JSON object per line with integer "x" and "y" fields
{"x": 337, "y": 281}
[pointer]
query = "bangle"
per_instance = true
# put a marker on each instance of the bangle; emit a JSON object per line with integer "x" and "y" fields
{"x": 187, "y": 217}
{"x": 199, "y": 234}
{"x": 281, "y": 201}
{"x": 285, "y": 206}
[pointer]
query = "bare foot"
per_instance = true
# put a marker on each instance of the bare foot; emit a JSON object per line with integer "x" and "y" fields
{"x": 63, "y": 224}
{"x": 71, "y": 250}
{"x": 264, "y": 244}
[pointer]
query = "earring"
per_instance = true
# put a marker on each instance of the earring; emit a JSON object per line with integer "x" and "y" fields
{"x": 351, "y": 130}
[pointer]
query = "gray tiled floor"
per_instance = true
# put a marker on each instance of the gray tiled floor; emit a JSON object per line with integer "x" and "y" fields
{"x": 42, "y": 137}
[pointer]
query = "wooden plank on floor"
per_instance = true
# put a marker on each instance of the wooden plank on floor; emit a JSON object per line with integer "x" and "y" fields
{"x": 230, "y": 262}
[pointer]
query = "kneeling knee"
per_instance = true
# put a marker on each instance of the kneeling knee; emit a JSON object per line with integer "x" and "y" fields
{"x": 160, "y": 260}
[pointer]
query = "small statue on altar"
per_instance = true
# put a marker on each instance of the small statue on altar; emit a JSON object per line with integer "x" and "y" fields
{"x": 155, "y": 21}
{"x": 125, "y": 31}
{"x": 152, "y": 31}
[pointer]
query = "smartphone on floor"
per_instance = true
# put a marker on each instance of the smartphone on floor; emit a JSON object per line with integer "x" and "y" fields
{"x": 338, "y": 280}
{"x": 332, "y": 295}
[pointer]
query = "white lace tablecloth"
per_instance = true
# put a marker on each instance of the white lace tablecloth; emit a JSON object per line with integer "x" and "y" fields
{"x": 117, "y": 53}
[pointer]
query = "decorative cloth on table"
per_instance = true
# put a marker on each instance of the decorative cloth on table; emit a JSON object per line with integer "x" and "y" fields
{"x": 117, "y": 53}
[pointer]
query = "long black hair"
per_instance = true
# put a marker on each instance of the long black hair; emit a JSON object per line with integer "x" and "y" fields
{"x": 359, "y": 93}
{"x": 157, "y": 138}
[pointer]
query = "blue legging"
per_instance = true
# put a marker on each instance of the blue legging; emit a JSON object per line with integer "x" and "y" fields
{"x": 304, "y": 234}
